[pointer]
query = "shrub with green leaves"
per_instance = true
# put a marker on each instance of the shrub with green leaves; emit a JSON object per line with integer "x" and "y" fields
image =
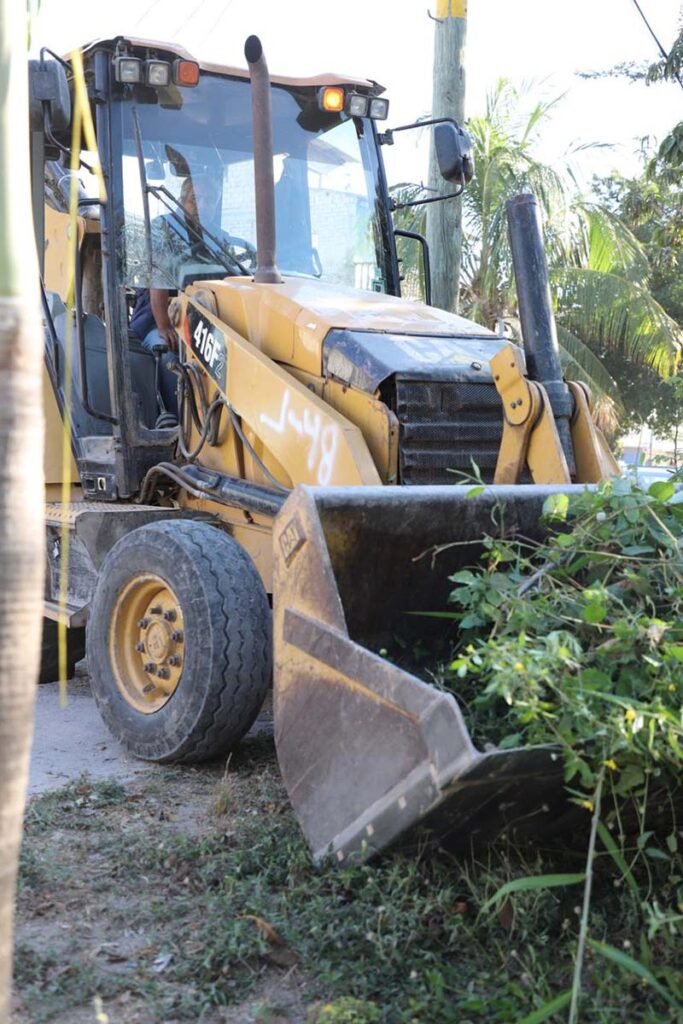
{"x": 578, "y": 641}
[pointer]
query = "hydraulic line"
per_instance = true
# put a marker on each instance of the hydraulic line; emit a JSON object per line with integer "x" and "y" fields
{"x": 205, "y": 419}
{"x": 194, "y": 410}
{"x": 250, "y": 448}
{"x": 212, "y": 486}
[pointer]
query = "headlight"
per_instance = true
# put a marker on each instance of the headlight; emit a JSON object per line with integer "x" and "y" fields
{"x": 127, "y": 69}
{"x": 379, "y": 109}
{"x": 356, "y": 104}
{"x": 157, "y": 73}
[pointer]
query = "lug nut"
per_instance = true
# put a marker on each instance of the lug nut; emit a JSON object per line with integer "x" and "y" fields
{"x": 177, "y": 635}
{"x": 163, "y": 673}
{"x": 140, "y": 646}
{"x": 173, "y": 660}
{"x": 150, "y": 667}
{"x": 143, "y": 623}
{"x": 170, "y": 615}
{"x": 149, "y": 688}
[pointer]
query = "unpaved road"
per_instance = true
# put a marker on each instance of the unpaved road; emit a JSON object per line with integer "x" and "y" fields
{"x": 72, "y": 740}
{"x": 77, "y": 936}
{"x": 114, "y": 922}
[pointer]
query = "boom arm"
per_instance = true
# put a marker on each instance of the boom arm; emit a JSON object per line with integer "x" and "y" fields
{"x": 299, "y": 436}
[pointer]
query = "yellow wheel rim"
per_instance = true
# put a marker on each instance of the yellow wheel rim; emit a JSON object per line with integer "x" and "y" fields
{"x": 147, "y": 643}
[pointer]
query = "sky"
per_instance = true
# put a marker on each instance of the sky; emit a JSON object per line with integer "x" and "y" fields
{"x": 543, "y": 43}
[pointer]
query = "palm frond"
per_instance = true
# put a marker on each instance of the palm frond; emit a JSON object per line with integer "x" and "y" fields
{"x": 611, "y": 246}
{"x": 540, "y": 112}
{"x": 580, "y": 363}
{"x": 612, "y": 314}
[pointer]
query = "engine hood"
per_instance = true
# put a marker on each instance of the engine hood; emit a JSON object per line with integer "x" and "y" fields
{"x": 364, "y": 360}
{"x": 359, "y": 337}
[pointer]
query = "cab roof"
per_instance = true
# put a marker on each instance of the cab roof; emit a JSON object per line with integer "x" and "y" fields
{"x": 329, "y": 78}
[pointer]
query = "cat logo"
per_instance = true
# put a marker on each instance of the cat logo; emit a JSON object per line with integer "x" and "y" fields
{"x": 292, "y": 539}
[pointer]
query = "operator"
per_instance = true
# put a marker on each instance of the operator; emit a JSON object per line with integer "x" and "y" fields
{"x": 173, "y": 243}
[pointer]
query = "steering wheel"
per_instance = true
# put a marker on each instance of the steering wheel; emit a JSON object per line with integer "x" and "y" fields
{"x": 246, "y": 252}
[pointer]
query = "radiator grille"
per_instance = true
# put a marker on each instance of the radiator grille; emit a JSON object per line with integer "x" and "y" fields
{"x": 444, "y": 425}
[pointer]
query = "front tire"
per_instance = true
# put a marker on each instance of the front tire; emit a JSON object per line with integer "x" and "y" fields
{"x": 179, "y": 641}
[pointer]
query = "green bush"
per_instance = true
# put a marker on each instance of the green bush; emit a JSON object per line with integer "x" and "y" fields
{"x": 578, "y": 642}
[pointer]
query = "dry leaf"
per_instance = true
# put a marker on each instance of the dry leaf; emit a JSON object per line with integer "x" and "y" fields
{"x": 267, "y": 930}
{"x": 279, "y": 953}
{"x": 506, "y": 915}
{"x": 110, "y": 951}
{"x": 162, "y": 962}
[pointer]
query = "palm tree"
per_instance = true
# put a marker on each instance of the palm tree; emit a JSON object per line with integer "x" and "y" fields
{"x": 21, "y": 470}
{"x": 599, "y": 271}
{"x": 503, "y": 140}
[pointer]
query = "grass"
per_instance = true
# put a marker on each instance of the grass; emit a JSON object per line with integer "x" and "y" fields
{"x": 196, "y": 892}
{"x": 74, "y": 806}
{"x": 184, "y": 918}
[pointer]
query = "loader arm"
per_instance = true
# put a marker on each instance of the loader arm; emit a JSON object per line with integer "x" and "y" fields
{"x": 298, "y": 436}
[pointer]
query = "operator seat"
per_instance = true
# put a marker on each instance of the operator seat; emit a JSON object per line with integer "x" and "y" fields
{"x": 142, "y": 370}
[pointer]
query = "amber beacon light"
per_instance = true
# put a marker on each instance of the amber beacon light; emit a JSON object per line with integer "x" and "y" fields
{"x": 331, "y": 98}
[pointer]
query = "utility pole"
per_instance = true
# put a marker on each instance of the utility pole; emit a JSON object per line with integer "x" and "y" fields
{"x": 444, "y": 220}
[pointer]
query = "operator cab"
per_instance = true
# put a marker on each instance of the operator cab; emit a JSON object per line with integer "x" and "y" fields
{"x": 162, "y": 119}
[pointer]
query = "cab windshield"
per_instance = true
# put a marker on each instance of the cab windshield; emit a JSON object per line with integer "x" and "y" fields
{"x": 328, "y": 214}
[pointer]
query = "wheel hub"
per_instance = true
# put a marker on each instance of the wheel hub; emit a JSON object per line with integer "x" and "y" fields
{"x": 146, "y": 642}
{"x": 158, "y": 641}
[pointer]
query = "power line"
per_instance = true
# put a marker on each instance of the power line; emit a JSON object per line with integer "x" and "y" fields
{"x": 189, "y": 18}
{"x": 214, "y": 27}
{"x": 149, "y": 10}
{"x": 661, "y": 49}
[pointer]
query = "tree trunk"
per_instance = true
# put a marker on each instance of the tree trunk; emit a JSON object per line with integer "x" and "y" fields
{"x": 21, "y": 469}
{"x": 444, "y": 220}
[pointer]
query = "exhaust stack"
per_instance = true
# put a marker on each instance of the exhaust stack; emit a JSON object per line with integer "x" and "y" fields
{"x": 539, "y": 332}
{"x": 266, "y": 269}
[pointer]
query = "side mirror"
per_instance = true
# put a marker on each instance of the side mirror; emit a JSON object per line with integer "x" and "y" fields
{"x": 453, "y": 153}
{"x": 49, "y": 88}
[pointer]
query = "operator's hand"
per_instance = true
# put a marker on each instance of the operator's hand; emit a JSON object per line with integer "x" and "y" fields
{"x": 175, "y": 308}
{"x": 170, "y": 337}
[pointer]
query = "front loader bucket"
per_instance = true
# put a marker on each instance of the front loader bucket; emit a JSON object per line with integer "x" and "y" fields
{"x": 366, "y": 749}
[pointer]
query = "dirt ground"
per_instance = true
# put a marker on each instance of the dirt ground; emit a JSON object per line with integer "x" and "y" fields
{"x": 71, "y": 740}
{"x": 168, "y": 895}
{"x": 87, "y": 947}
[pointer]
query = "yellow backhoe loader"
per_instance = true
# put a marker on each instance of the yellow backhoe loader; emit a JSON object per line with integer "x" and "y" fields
{"x": 314, "y": 455}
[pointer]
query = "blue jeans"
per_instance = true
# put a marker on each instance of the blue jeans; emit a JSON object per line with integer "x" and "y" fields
{"x": 167, "y": 379}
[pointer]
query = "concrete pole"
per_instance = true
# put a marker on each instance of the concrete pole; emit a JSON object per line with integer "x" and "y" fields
{"x": 444, "y": 220}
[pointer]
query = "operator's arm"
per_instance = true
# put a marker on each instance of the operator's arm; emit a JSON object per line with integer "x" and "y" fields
{"x": 158, "y": 298}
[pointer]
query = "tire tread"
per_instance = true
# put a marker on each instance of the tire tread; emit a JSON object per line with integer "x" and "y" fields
{"x": 231, "y": 598}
